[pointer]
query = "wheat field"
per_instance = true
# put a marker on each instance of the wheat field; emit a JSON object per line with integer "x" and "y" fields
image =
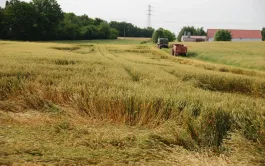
{"x": 125, "y": 103}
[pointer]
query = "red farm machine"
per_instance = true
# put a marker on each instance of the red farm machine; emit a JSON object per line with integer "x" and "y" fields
{"x": 179, "y": 49}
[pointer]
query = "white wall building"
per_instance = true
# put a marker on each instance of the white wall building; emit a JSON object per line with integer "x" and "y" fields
{"x": 193, "y": 38}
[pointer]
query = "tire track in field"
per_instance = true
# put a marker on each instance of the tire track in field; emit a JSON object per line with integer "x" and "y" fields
{"x": 135, "y": 75}
{"x": 103, "y": 54}
{"x": 147, "y": 63}
{"x": 139, "y": 62}
{"x": 111, "y": 52}
{"x": 104, "y": 51}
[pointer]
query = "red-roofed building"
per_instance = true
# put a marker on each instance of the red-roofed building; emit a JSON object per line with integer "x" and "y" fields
{"x": 238, "y": 35}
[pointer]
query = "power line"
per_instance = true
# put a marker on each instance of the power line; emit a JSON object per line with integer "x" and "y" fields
{"x": 149, "y": 15}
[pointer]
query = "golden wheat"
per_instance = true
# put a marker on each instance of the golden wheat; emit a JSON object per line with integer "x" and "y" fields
{"x": 179, "y": 101}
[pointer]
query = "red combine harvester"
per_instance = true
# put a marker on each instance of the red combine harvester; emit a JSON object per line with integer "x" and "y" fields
{"x": 179, "y": 49}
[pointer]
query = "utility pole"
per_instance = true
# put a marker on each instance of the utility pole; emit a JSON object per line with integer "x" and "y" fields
{"x": 124, "y": 30}
{"x": 149, "y": 15}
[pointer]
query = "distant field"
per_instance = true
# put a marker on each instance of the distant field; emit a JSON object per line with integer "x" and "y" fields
{"x": 120, "y": 41}
{"x": 135, "y": 38}
{"x": 240, "y": 54}
{"x": 125, "y": 103}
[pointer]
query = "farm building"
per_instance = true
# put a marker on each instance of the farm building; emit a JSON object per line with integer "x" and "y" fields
{"x": 238, "y": 35}
{"x": 193, "y": 38}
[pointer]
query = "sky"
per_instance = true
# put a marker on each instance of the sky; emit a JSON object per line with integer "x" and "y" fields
{"x": 173, "y": 14}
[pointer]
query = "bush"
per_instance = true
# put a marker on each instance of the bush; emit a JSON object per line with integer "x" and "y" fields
{"x": 143, "y": 42}
{"x": 263, "y": 34}
{"x": 114, "y": 33}
{"x": 163, "y": 33}
{"x": 170, "y": 35}
{"x": 65, "y": 62}
{"x": 158, "y": 34}
{"x": 222, "y": 35}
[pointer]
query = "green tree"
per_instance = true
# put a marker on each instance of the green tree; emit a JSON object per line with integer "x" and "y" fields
{"x": 20, "y": 20}
{"x": 104, "y": 30}
{"x": 114, "y": 33}
{"x": 222, "y": 35}
{"x": 2, "y": 19}
{"x": 12, "y": 2}
{"x": 148, "y": 32}
{"x": 49, "y": 17}
{"x": 94, "y": 32}
{"x": 7, "y": 3}
{"x": 90, "y": 32}
{"x": 85, "y": 20}
{"x": 44, "y": 20}
{"x": 131, "y": 30}
{"x": 163, "y": 33}
{"x": 98, "y": 21}
{"x": 263, "y": 33}
{"x": 200, "y": 32}
{"x": 82, "y": 27}
{"x": 158, "y": 34}
{"x": 171, "y": 36}
{"x": 69, "y": 28}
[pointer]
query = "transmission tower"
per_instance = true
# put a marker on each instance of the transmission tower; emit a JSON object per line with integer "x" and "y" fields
{"x": 149, "y": 16}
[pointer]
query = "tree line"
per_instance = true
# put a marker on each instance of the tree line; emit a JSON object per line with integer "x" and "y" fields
{"x": 45, "y": 20}
{"x": 130, "y": 30}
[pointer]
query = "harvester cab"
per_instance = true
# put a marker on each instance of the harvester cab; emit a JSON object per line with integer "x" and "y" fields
{"x": 162, "y": 43}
